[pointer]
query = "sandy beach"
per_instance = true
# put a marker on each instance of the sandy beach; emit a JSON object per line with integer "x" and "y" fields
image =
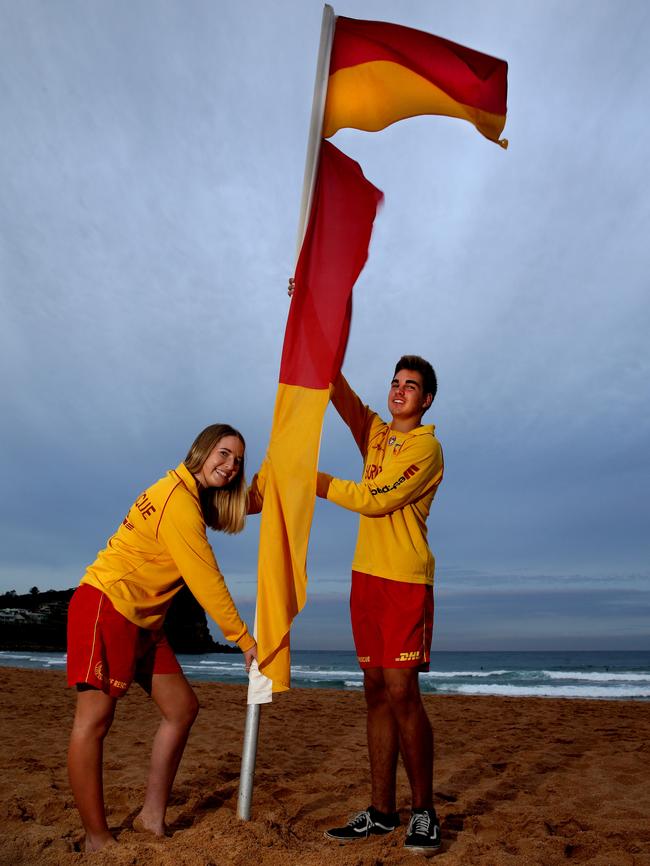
{"x": 518, "y": 781}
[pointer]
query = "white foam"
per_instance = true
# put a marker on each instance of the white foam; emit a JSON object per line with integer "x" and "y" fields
{"x": 59, "y": 660}
{"x": 330, "y": 674}
{"x": 217, "y": 669}
{"x": 629, "y": 692}
{"x": 597, "y": 676}
{"x": 451, "y": 674}
{"x": 7, "y": 654}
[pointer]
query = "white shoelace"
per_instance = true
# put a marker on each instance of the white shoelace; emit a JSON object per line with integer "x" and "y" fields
{"x": 362, "y": 819}
{"x": 419, "y": 823}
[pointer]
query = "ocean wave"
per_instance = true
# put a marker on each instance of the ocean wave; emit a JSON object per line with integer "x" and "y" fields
{"x": 215, "y": 671}
{"x": 330, "y": 674}
{"x": 8, "y": 654}
{"x": 612, "y": 692}
{"x": 333, "y": 682}
{"x": 58, "y": 660}
{"x": 42, "y": 660}
{"x": 597, "y": 676}
{"x": 451, "y": 674}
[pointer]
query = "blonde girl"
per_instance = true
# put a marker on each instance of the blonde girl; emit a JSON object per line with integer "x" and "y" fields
{"x": 115, "y": 619}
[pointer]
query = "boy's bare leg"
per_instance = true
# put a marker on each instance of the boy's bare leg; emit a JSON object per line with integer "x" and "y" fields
{"x": 382, "y": 740}
{"x": 179, "y": 707}
{"x": 93, "y": 719}
{"x": 415, "y": 733}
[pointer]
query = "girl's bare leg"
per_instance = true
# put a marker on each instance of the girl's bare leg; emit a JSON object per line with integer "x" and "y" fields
{"x": 179, "y": 707}
{"x": 93, "y": 719}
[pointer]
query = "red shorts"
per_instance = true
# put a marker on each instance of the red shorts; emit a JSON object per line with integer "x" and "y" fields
{"x": 392, "y": 622}
{"x": 108, "y": 652}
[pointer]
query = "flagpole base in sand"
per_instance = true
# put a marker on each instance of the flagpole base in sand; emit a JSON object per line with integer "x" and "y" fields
{"x": 248, "y": 757}
{"x": 259, "y": 692}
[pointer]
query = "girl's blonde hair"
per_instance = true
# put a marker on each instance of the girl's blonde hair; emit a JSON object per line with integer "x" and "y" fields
{"x": 224, "y": 508}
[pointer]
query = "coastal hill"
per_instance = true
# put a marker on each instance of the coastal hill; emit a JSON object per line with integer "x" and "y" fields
{"x": 36, "y": 622}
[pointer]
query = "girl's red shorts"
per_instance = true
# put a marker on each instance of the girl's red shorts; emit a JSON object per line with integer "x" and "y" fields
{"x": 108, "y": 652}
{"x": 392, "y": 622}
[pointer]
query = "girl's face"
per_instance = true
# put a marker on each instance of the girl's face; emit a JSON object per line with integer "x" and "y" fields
{"x": 223, "y": 463}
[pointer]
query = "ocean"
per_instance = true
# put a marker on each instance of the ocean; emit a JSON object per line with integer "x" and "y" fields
{"x": 609, "y": 675}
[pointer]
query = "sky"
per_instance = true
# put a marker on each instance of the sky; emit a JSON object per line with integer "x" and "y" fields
{"x": 151, "y": 166}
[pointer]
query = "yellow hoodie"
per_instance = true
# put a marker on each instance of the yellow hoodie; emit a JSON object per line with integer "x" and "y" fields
{"x": 401, "y": 474}
{"x": 161, "y": 538}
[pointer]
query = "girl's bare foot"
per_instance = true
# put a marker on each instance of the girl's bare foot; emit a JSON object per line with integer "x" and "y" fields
{"x": 97, "y": 842}
{"x": 143, "y": 824}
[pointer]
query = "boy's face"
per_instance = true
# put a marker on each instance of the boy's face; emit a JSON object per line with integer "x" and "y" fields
{"x": 406, "y": 398}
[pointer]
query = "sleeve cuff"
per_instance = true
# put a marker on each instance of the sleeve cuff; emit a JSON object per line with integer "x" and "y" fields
{"x": 323, "y": 481}
{"x": 246, "y": 642}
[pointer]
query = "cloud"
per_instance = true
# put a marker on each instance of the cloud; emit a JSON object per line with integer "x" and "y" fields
{"x": 151, "y": 173}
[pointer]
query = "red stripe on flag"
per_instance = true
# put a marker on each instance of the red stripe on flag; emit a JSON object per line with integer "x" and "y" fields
{"x": 332, "y": 256}
{"x": 468, "y": 76}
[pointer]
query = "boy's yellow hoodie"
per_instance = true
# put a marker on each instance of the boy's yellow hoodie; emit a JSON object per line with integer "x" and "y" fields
{"x": 401, "y": 474}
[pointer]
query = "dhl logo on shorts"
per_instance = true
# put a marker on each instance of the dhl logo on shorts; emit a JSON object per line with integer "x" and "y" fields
{"x": 363, "y": 659}
{"x": 409, "y": 656}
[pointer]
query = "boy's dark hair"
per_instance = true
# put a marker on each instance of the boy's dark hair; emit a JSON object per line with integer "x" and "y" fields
{"x": 424, "y": 368}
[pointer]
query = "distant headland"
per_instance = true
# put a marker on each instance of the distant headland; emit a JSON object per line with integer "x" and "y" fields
{"x": 36, "y": 622}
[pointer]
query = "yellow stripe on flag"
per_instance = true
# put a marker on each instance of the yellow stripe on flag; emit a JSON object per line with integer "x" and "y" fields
{"x": 371, "y": 96}
{"x": 289, "y": 496}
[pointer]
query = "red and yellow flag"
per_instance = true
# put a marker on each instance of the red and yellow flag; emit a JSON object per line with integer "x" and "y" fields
{"x": 332, "y": 256}
{"x": 381, "y": 73}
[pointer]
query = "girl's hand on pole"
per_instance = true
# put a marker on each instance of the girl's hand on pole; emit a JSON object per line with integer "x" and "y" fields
{"x": 249, "y": 655}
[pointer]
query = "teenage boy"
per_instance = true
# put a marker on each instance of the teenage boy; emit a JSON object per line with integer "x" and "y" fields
{"x": 391, "y": 601}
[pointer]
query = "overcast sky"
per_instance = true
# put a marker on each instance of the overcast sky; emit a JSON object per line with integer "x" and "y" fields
{"x": 151, "y": 164}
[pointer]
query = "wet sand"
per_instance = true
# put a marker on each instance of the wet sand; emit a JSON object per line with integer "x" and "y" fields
{"x": 518, "y": 781}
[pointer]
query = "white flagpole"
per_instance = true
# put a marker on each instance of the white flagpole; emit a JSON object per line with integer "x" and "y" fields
{"x": 316, "y": 123}
{"x": 248, "y": 757}
{"x": 259, "y": 692}
{"x": 251, "y": 729}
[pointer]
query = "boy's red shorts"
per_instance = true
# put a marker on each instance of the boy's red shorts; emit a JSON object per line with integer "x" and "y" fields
{"x": 392, "y": 622}
{"x": 107, "y": 651}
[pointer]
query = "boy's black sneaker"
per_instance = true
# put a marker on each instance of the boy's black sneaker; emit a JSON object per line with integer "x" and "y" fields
{"x": 423, "y": 833}
{"x": 370, "y": 822}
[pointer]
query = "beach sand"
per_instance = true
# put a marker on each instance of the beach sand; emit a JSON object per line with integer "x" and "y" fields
{"x": 518, "y": 781}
